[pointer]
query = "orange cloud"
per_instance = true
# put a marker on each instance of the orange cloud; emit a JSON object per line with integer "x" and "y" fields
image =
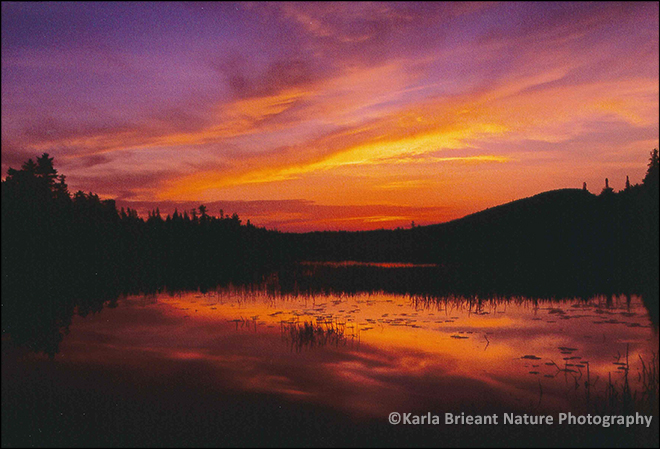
{"x": 375, "y": 103}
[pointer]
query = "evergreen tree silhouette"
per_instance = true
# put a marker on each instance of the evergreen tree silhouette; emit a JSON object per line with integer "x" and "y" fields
{"x": 651, "y": 179}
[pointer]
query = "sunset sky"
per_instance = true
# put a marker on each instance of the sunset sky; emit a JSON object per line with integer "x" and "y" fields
{"x": 315, "y": 116}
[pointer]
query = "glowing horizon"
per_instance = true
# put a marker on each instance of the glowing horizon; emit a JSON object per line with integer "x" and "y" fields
{"x": 327, "y": 116}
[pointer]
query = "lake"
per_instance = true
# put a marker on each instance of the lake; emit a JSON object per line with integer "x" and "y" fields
{"x": 304, "y": 362}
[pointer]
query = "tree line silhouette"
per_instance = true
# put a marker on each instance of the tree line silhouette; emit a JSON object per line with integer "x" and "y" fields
{"x": 63, "y": 251}
{"x": 66, "y": 252}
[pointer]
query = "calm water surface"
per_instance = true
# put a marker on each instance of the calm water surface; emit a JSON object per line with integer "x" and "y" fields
{"x": 360, "y": 355}
{"x": 374, "y": 353}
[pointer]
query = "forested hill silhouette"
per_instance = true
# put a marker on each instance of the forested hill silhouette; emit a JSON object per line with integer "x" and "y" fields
{"x": 567, "y": 239}
{"x": 64, "y": 252}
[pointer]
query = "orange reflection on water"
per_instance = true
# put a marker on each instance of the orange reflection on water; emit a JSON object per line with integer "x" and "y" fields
{"x": 351, "y": 263}
{"x": 369, "y": 354}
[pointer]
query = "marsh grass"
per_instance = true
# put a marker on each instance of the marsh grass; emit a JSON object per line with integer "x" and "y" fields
{"x": 620, "y": 396}
{"x": 320, "y": 333}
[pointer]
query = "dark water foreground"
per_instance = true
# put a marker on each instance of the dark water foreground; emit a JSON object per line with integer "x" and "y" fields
{"x": 321, "y": 356}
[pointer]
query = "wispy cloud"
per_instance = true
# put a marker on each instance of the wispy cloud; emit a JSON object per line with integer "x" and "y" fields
{"x": 449, "y": 105}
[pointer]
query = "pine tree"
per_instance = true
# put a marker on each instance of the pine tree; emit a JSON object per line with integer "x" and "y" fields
{"x": 651, "y": 179}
